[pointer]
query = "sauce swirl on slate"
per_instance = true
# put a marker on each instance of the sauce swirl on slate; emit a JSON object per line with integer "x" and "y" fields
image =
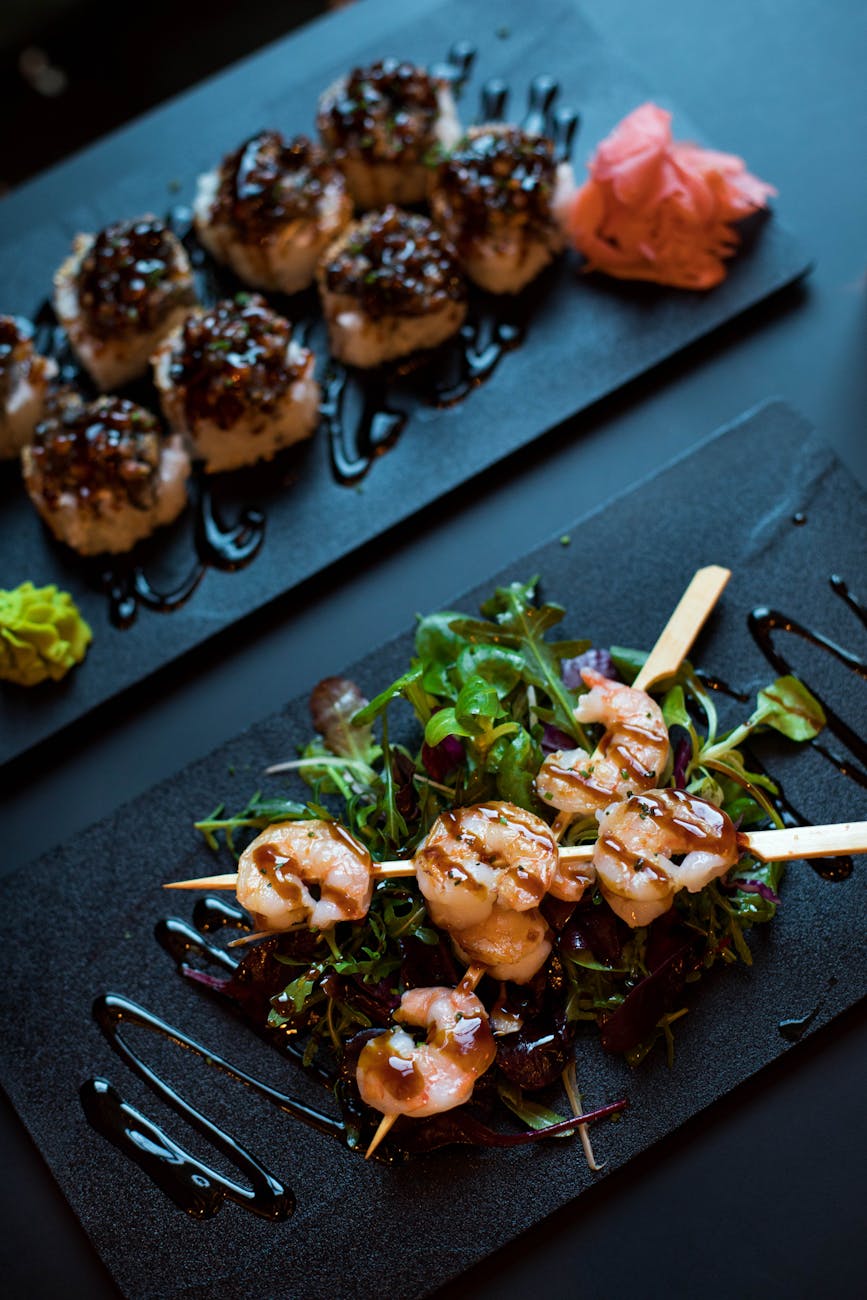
{"x": 764, "y": 625}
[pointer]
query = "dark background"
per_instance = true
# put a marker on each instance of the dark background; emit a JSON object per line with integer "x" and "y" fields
{"x": 764, "y": 1194}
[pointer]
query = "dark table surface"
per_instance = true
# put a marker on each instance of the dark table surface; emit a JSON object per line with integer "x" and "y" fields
{"x": 761, "y": 1195}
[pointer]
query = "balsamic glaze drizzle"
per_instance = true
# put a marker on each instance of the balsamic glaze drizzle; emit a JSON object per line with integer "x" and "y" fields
{"x": 194, "y": 1186}
{"x": 763, "y": 624}
{"x": 218, "y": 545}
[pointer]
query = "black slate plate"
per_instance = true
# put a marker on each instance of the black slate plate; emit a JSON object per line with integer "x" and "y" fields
{"x": 586, "y": 337}
{"x": 83, "y": 919}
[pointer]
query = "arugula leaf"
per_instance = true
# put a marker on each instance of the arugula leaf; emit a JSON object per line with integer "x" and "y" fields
{"x": 521, "y": 626}
{"x": 380, "y": 701}
{"x": 500, "y": 667}
{"x": 257, "y": 814}
{"x": 517, "y": 767}
{"x": 438, "y": 647}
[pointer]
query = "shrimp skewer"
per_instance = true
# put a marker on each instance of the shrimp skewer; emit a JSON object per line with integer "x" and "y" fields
{"x": 834, "y": 839}
{"x": 652, "y": 845}
{"x": 483, "y": 871}
{"x": 305, "y": 872}
{"x": 462, "y": 995}
{"x": 578, "y": 784}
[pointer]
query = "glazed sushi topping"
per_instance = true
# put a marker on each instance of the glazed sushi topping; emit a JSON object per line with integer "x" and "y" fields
{"x": 267, "y": 183}
{"x": 130, "y": 279}
{"x": 235, "y": 356}
{"x": 107, "y": 448}
{"x": 396, "y": 263}
{"x": 498, "y": 175}
{"x": 385, "y": 111}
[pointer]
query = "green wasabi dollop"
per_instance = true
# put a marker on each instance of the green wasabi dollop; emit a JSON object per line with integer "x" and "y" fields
{"x": 42, "y": 634}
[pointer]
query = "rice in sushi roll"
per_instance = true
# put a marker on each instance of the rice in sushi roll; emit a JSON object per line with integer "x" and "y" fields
{"x": 390, "y": 286}
{"x": 236, "y": 384}
{"x": 381, "y": 123}
{"x": 119, "y": 293}
{"x": 270, "y": 210}
{"x": 498, "y": 196}
{"x": 101, "y": 474}
{"x": 25, "y": 378}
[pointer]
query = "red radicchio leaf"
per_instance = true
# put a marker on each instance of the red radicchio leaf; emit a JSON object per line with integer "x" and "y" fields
{"x": 682, "y": 754}
{"x": 756, "y": 887}
{"x": 644, "y": 1005}
{"x": 460, "y": 1127}
{"x": 553, "y": 740}
{"x": 599, "y": 660}
{"x": 439, "y": 760}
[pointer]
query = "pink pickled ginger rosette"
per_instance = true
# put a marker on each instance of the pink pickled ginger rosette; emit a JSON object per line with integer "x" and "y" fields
{"x": 658, "y": 209}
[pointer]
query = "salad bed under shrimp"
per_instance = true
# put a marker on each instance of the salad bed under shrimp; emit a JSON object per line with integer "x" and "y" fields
{"x": 462, "y": 986}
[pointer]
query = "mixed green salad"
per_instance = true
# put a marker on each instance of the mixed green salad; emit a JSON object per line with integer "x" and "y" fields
{"x": 482, "y": 701}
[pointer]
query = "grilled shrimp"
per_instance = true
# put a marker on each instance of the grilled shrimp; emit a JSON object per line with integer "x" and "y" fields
{"x": 480, "y": 857}
{"x": 654, "y": 844}
{"x": 398, "y": 1076}
{"x": 510, "y": 945}
{"x": 630, "y": 757}
{"x": 305, "y": 872}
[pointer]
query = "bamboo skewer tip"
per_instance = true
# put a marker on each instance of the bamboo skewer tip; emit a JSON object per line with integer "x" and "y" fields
{"x": 385, "y": 1125}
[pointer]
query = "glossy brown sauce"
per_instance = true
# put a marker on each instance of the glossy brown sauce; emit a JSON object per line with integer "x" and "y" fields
{"x": 103, "y": 451}
{"x": 395, "y": 263}
{"x": 401, "y": 1079}
{"x": 676, "y": 823}
{"x": 129, "y": 279}
{"x": 232, "y": 362}
{"x": 497, "y": 179}
{"x": 274, "y": 865}
{"x": 216, "y": 545}
{"x": 469, "y": 1037}
{"x": 16, "y": 347}
{"x": 386, "y": 112}
{"x": 267, "y": 183}
{"x": 285, "y": 870}
{"x": 766, "y": 626}
{"x": 194, "y": 1185}
{"x": 455, "y": 824}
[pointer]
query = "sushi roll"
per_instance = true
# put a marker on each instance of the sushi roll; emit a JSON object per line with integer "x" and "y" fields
{"x": 498, "y": 196}
{"x": 390, "y": 285}
{"x": 271, "y": 209}
{"x": 234, "y": 382}
{"x": 380, "y": 123}
{"x": 101, "y": 474}
{"x": 119, "y": 293}
{"x": 25, "y": 377}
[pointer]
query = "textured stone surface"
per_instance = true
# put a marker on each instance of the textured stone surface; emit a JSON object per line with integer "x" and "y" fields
{"x": 83, "y": 919}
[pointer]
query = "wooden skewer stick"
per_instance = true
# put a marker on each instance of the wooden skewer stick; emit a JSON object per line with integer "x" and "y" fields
{"x": 787, "y": 845}
{"x": 467, "y": 985}
{"x": 385, "y": 1126}
{"x": 381, "y": 871}
{"x": 831, "y": 841}
{"x": 678, "y": 636}
{"x": 794, "y": 842}
{"x": 673, "y": 644}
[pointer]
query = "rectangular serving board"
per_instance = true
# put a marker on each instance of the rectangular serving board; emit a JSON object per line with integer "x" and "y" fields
{"x": 587, "y": 336}
{"x": 83, "y": 920}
